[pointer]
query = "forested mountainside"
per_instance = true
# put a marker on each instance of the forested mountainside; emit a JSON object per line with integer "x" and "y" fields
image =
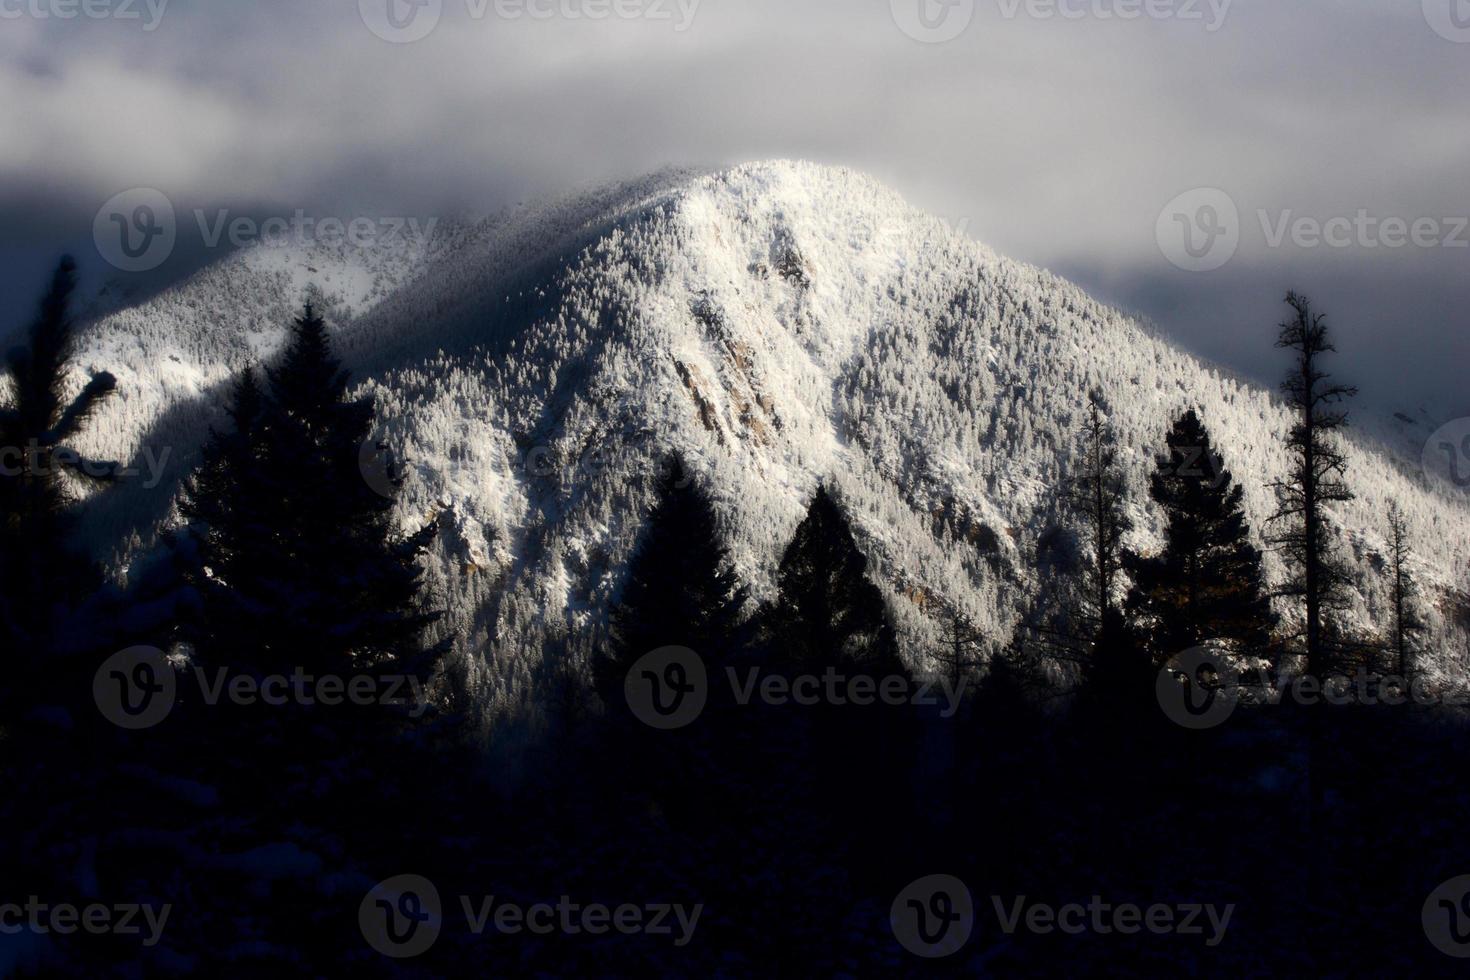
{"x": 781, "y": 325}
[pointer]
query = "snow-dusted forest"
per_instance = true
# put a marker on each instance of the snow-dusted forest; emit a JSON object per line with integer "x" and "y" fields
{"x": 781, "y": 325}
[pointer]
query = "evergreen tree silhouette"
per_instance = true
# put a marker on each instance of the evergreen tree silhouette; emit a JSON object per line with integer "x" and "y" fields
{"x": 230, "y": 508}
{"x": 830, "y": 620}
{"x": 1316, "y": 477}
{"x": 304, "y": 564}
{"x": 828, "y": 612}
{"x": 41, "y": 572}
{"x": 1207, "y": 581}
{"x": 1010, "y": 686}
{"x": 1408, "y": 624}
{"x": 1096, "y": 494}
{"x": 681, "y": 588}
{"x": 1116, "y": 669}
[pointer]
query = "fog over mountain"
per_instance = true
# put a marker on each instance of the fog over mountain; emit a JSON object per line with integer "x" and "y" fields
{"x": 1057, "y": 133}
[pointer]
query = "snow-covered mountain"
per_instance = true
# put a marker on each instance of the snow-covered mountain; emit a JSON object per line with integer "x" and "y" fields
{"x": 781, "y": 324}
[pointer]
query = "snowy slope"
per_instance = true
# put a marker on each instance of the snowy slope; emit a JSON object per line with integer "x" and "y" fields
{"x": 781, "y": 324}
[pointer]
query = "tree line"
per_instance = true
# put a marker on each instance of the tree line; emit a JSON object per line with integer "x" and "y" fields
{"x": 286, "y": 555}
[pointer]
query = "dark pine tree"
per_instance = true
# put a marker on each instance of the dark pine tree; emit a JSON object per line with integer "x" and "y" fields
{"x": 1117, "y": 670}
{"x": 297, "y": 541}
{"x": 681, "y": 588}
{"x": 1207, "y": 581}
{"x": 1316, "y": 477}
{"x": 830, "y": 620}
{"x": 829, "y": 613}
{"x": 681, "y": 591}
{"x": 230, "y": 509}
{"x": 41, "y": 572}
{"x": 1408, "y": 625}
{"x": 1096, "y": 493}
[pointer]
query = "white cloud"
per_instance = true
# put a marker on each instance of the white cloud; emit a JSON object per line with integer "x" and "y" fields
{"x": 1055, "y": 140}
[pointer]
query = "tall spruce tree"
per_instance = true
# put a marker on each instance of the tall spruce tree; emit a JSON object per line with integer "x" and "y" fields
{"x": 1116, "y": 669}
{"x": 1207, "y": 581}
{"x": 681, "y": 588}
{"x": 1408, "y": 626}
{"x": 230, "y": 509}
{"x": 830, "y": 620}
{"x": 1096, "y": 494}
{"x": 1316, "y": 477}
{"x": 40, "y": 570}
{"x": 829, "y": 613}
{"x": 304, "y": 562}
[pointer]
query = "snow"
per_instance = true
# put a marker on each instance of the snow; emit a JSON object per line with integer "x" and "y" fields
{"x": 781, "y": 324}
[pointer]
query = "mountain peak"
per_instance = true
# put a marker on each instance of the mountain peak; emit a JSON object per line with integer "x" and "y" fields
{"x": 779, "y": 324}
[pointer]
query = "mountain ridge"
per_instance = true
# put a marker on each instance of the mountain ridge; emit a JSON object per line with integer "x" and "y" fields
{"x": 780, "y": 324}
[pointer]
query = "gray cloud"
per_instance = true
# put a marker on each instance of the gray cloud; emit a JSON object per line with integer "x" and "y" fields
{"x": 1055, "y": 140}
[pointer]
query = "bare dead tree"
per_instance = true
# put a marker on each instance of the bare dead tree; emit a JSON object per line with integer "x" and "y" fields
{"x": 960, "y": 644}
{"x": 1317, "y": 472}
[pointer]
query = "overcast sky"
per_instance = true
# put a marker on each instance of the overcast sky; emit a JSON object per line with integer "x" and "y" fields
{"x": 1063, "y": 133}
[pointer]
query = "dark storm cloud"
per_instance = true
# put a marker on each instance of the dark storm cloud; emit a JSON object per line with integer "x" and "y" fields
{"x": 1055, "y": 132}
